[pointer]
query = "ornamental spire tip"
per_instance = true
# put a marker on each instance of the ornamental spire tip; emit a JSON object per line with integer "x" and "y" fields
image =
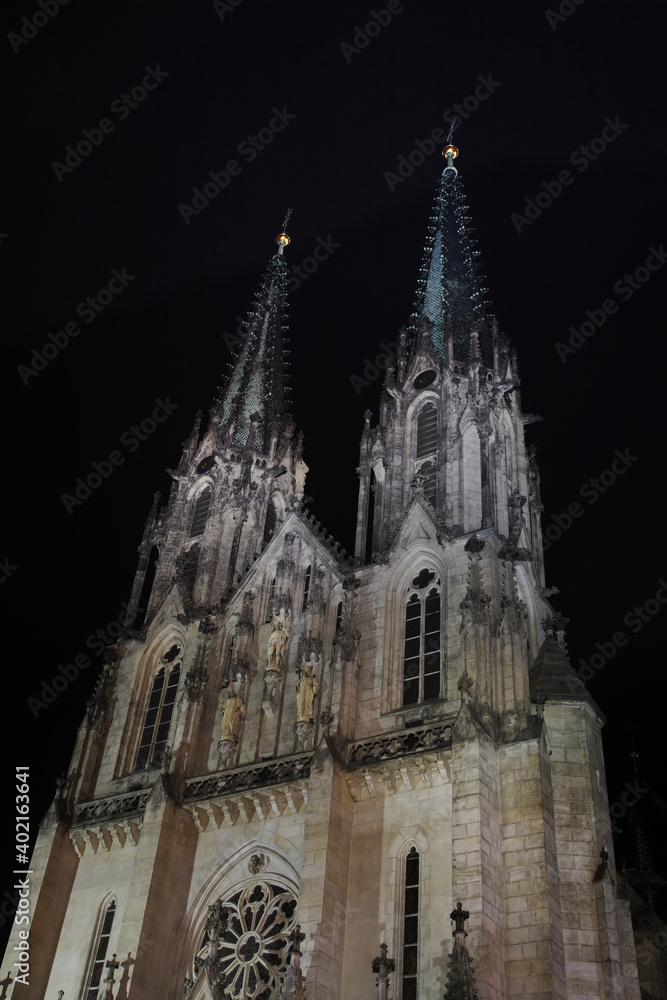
{"x": 282, "y": 239}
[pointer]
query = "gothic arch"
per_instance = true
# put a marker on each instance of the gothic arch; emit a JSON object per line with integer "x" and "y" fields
{"x": 274, "y": 863}
{"x": 147, "y": 668}
{"x": 98, "y": 949}
{"x": 417, "y": 558}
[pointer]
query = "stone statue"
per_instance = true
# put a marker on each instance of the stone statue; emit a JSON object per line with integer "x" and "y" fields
{"x": 277, "y": 645}
{"x": 232, "y": 716}
{"x": 307, "y": 689}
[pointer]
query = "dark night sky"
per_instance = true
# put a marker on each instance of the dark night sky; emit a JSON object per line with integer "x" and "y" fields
{"x": 223, "y": 73}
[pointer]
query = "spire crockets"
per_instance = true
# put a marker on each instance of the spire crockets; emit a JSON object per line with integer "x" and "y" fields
{"x": 257, "y": 390}
{"x": 450, "y": 294}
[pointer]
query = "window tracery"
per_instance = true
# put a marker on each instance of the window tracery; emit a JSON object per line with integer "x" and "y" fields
{"x": 160, "y": 709}
{"x": 245, "y": 947}
{"x": 421, "y": 652}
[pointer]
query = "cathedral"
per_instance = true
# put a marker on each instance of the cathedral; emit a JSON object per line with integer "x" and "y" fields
{"x": 309, "y": 774}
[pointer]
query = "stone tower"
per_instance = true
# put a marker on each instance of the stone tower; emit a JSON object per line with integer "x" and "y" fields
{"x": 295, "y": 760}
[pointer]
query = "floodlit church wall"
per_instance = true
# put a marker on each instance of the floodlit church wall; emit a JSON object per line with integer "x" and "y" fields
{"x": 100, "y": 877}
{"x": 384, "y": 828}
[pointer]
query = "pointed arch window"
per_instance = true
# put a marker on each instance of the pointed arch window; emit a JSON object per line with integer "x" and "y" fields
{"x": 200, "y": 516}
{"x": 339, "y": 618}
{"x": 421, "y": 654}
{"x": 100, "y": 948}
{"x": 427, "y": 447}
{"x": 410, "y": 955}
{"x": 271, "y": 520}
{"x": 190, "y": 563}
{"x": 306, "y": 587}
{"x": 427, "y": 431}
{"x": 155, "y": 732}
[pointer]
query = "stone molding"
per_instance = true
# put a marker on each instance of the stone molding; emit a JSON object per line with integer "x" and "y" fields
{"x": 260, "y": 804}
{"x": 108, "y": 808}
{"x": 106, "y": 836}
{"x": 241, "y": 779}
{"x": 400, "y": 744}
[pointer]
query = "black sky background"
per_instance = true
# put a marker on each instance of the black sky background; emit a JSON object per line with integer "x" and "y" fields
{"x": 228, "y": 69}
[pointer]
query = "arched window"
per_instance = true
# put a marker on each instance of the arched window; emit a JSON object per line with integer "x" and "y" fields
{"x": 245, "y": 947}
{"x": 421, "y": 654}
{"x": 306, "y": 587}
{"x": 427, "y": 446}
{"x": 190, "y": 566}
{"x": 160, "y": 710}
{"x": 99, "y": 949}
{"x": 339, "y": 617}
{"x": 200, "y": 516}
{"x": 410, "y": 949}
{"x": 271, "y": 520}
{"x": 429, "y": 474}
{"x": 427, "y": 431}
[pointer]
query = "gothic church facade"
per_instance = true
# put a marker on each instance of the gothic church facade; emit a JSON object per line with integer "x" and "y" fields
{"x": 297, "y": 762}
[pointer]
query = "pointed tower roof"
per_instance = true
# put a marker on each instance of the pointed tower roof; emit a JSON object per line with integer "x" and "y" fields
{"x": 552, "y": 674}
{"x": 257, "y": 388}
{"x": 450, "y": 293}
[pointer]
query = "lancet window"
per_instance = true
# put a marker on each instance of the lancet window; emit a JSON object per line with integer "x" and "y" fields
{"x": 200, "y": 516}
{"x": 100, "y": 948}
{"x": 427, "y": 448}
{"x": 155, "y": 732}
{"x": 410, "y": 950}
{"x": 421, "y": 652}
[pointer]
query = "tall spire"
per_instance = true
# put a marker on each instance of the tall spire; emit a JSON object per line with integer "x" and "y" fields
{"x": 450, "y": 294}
{"x": 257, "y": 391}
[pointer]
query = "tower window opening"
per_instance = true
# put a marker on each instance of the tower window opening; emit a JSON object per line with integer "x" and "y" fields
{"x": 200, "y": 516}
{"x": 158, "y": 717}
{"x": 428, "y": 471}
{"x": 271, "y": 521}
{"x": 421, "y": 655}
{"x": 427, "y": 431}
{"x": 306, "y": 588}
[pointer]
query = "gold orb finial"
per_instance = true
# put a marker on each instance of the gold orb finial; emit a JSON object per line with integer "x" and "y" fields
{"x": 450, "y": 150}
{"x": 283, "y": 240}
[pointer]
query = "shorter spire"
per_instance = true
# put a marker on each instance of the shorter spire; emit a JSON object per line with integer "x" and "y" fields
{"x": 253, "y": 404}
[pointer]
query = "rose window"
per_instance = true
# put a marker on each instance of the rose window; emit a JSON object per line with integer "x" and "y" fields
{"x": 246, "y": 943}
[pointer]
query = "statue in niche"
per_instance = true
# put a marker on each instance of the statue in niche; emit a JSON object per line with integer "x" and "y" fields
{"x": 233, "y": 712}
{"x": 307, "y": 689}
{"x": 278, "y": 641}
